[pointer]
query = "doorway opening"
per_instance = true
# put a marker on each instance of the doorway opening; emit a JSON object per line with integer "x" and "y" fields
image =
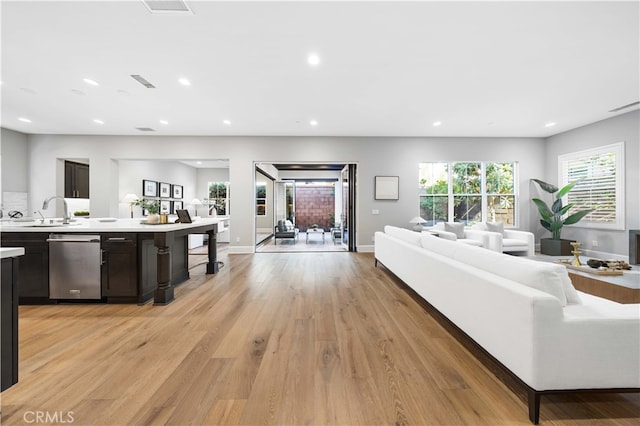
{"x": 312, "y": 207}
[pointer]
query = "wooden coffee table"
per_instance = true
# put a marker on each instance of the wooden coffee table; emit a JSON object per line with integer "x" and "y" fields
{"x": 604, "y": 287}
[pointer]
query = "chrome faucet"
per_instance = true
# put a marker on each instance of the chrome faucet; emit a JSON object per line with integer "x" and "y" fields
{"x": 65, "y": 219}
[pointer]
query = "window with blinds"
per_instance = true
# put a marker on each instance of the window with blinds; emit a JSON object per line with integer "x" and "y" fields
{"x": 600, "y": 176}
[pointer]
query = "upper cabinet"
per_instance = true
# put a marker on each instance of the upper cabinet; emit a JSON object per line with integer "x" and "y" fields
{"x": 76, "y": 180}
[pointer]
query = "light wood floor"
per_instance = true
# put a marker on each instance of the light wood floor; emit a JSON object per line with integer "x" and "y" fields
{"x": 286, "y": 339}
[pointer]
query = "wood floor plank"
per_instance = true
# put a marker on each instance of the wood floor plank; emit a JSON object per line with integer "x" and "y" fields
{"x": 272, "y": 339}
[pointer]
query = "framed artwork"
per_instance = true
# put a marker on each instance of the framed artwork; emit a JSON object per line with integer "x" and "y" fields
{"x": 149, "y": 188}
{"x": 183, "y": 216}
{"x": 177, "y": 191}
{"x": 165, "y": 190}
{"x": 175, "y": 206}
{"x": 165, "y": 206}
{"x": 386, "y": 187}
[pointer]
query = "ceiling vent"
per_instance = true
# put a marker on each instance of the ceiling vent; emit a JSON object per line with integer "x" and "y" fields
{"x": 625, "y": 106}
{"x": 143, "y": 81}
{"x": 175, "y": 7}
{"x": 146, "y": 129}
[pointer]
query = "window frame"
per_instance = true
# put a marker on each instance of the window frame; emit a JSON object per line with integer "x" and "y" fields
{"x": 618, "y": 149}
{"x": 484, "y": 195}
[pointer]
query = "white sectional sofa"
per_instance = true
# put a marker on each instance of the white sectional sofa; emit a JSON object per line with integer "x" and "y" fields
{"x": 526, "y": 314}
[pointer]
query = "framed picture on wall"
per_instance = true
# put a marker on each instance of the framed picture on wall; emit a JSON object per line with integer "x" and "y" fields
{"x": 165, "y": 190}
{"x": 176, "y": 205}
{"x": 177, "y": 191}
{"x": 386, "y": 187}
{"x": 165, "y": 206}
{"x": 149, "y": 188}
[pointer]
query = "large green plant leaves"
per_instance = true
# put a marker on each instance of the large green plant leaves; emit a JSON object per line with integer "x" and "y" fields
{"x": 565, "y": 189}
{"x": 546, "y": 186}
{"x": 576, "y": 217}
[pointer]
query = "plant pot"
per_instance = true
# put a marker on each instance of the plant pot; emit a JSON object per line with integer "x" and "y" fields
{"x": 153, "y": 218}
{"x": 552, "y": 247}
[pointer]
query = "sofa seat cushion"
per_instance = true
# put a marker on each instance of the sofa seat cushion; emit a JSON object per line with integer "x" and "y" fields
{"x": 470, "y": 242}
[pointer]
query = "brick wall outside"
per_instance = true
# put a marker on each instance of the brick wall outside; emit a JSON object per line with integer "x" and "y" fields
{"x": 313, "y": 205}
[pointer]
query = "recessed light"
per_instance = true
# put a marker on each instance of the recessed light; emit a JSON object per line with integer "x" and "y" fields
{"x": 165, "y": 122}
{"x": 90, "y": 82}
{"x": 24, "y": 120}
{"x": 437, "y": 123}
{"x": 313, "y": 122}
{"x": 184, "y": 82}
{"x": 551, "y": 124}
{"x": 313, "y": 59}
{"x": 227, "y": 122}
{"x": 98, "y": 121}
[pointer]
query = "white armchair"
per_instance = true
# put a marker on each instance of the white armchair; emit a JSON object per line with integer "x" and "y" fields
{"x": 508, "y": 240}
{"x": 456, "y": 231}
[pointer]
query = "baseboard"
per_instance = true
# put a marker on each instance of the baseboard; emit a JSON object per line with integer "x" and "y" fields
{"x": 366, "y": 249}
{"x": 241, "y": 249}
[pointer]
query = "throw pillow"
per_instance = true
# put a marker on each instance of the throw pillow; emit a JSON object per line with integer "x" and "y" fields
{"x": 495, "y": 227}
{"x": 281, "y": 226}
{"x": 455, "y": 227}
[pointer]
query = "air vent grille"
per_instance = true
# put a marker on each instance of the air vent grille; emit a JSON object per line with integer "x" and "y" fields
{"x": 146, "y": 129}
{"x": 168, "y": 6}
{"x": 143, "y": 81}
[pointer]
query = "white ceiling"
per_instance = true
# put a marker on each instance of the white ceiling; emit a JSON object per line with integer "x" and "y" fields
{"x": 387, "y": 68}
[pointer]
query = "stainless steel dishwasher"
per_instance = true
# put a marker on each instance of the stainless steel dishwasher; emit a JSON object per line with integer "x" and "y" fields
{"x": 74, "y": 266}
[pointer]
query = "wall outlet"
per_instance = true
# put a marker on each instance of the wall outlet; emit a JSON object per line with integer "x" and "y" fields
{"x": 594, "y": 243}
{"x": 237, "y": 239}
{"x": 375, "y": 211}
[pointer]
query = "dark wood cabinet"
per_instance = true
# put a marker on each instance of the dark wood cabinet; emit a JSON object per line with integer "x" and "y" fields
{"x": 9, "y": 323}
{"x": 76, "y": 180}
{"x": 120, "y": 269}
{"x": 33, "y": 268}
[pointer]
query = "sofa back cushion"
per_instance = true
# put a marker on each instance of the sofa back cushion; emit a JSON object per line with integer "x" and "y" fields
{"x": 495, "y": 227}
{"x": 411, "y": 237}
{"x": 547, "y": 277}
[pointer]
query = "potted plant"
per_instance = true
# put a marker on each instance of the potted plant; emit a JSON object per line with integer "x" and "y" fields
{"x": 151, "y": 206}
{"x": 555, "y": 217}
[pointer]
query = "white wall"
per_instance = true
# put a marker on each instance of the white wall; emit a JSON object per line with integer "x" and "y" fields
{"x": 14, "y": 164}
{"x": 373, "y": 156}
{"x": 625, "y": 127}
{"x": 132, "y": 172}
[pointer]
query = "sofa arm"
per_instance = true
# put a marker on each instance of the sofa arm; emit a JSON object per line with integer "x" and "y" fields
{"x": 483, "y": 237}
{"x": 526, "y": 238}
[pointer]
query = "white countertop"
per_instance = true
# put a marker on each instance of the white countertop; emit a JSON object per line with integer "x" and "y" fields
{"x": 11, "y": 252}
{"x": 105, "y": 225}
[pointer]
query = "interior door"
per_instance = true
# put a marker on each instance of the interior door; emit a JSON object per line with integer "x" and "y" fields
{"x": 348, "y": 217}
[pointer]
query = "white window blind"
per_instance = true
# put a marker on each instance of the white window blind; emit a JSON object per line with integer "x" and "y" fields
{"x": 600, "y": 176}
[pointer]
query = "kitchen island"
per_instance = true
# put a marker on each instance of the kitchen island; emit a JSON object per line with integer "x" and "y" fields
{"x": 139, "y": 261}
